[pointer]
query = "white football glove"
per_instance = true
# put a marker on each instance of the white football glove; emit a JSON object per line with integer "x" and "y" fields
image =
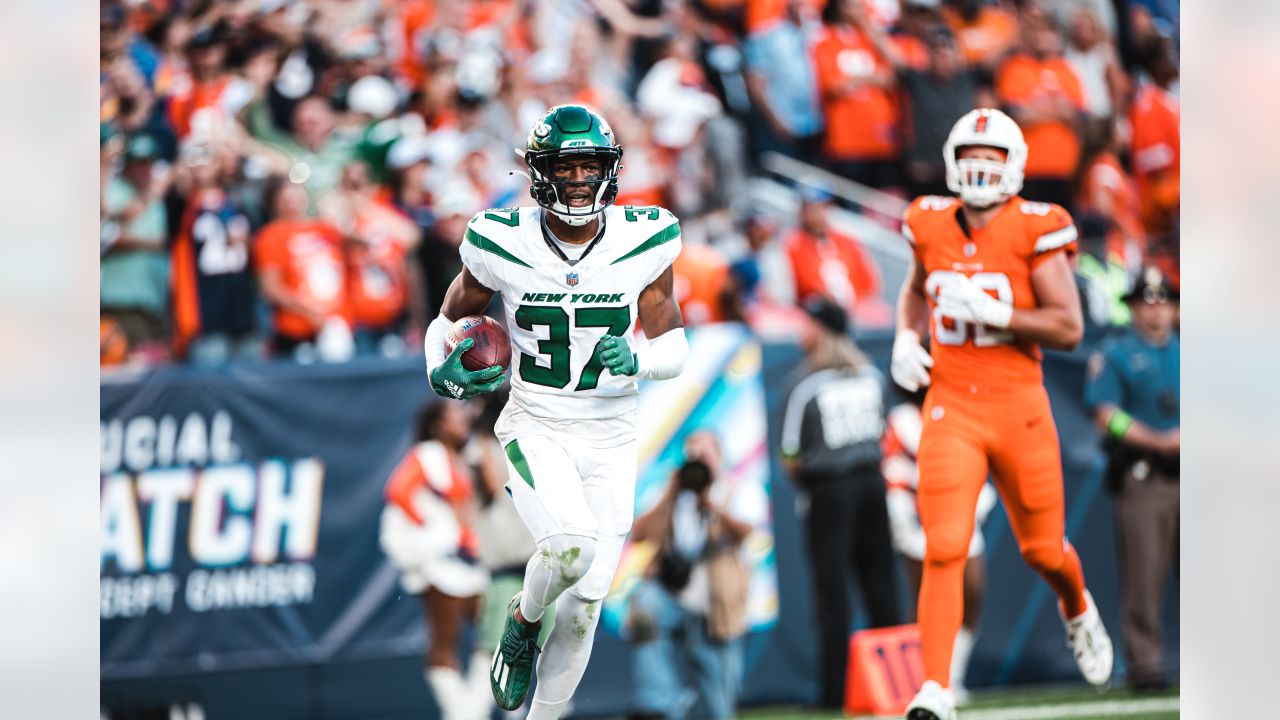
{"x": 911, "y": 362}
{"x": 963, "y": 301}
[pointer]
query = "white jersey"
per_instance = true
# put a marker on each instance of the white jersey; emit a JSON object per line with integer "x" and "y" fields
{"x": 556, "y": 312}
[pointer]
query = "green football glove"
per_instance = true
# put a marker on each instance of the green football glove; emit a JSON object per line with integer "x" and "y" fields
{"x": 616, "y": 355}
{"x": 451, "y": 380}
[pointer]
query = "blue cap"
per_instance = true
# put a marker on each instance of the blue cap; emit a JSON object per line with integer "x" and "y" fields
{"x": 814, "y": 191}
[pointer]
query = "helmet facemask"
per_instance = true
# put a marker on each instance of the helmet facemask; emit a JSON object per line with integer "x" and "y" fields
{"x": 984, "y": 181}
{"x": 554, "y": 194}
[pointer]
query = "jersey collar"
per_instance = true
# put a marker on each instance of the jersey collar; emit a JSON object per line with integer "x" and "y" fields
{"x": 547, "y": 236}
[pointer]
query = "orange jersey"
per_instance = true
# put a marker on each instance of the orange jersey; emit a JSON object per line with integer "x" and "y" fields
{"x": 308, "y": 255}
{"x": 1053, "y": 147}
{"x": 701, "y": 276}
{"x": 1157, "y": 150}
{"x": 987, "y": 37}
{"x": 429, "y": 467}
{"x": 999, "y": 258}
{"x": 861, "y": 124}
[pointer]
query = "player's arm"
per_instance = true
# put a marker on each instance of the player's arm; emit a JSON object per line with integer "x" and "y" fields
{"x": 466, "y": 296}
{"x": 660, "y": 318}
{"x": 910, "y": 363}
{"x": 913, "y": 306}
{"x": 1057, "y": 320}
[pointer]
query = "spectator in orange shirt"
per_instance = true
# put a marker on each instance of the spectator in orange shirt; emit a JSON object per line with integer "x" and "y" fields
{"x": 1156, "y": 141}
{"x": 207, "y": 56}
{"x": 934, "y": 94}
{"x": 702, "y": 285}
{"x": 1109, "y": 193}
{"x": 857, "y": 91}
{"x": 300, "y": 269}
{"x": 832, "y": 265}
{"x": 1042, "y": 93}
{"x": 985, "y": 31}
{"x": 379, "y": 239}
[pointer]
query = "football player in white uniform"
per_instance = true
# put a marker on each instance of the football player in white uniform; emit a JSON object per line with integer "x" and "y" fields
{"x": 574, "y": 273}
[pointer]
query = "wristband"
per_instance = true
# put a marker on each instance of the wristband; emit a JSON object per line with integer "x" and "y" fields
{"x": 1119, "y": 424}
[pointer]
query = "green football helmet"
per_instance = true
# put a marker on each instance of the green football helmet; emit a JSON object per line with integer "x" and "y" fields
{"x": 572, "y": 131}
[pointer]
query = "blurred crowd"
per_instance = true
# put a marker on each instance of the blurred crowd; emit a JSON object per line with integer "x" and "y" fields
{"x": 291, "y": 178}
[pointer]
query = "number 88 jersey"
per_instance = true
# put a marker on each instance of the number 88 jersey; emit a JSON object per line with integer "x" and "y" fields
{"x": 999, "y": 258}
{"x": 556, "y": 312}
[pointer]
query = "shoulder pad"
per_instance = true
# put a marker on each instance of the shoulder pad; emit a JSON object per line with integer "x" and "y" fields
{"x": 1048, "y": 225}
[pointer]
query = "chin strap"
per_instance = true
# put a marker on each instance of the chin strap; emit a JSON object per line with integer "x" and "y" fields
{"x": 575, "y": 220}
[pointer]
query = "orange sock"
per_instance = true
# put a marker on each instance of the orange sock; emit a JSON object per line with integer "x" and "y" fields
{"x": 941, "y": 608}
{"x": 1068, "y": 582}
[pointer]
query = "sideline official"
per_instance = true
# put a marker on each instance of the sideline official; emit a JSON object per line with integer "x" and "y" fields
{"x": 832, "y": 426}
{"x": 1133, "y": 392}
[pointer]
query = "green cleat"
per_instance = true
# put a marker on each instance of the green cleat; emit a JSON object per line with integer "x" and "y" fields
{"x": 512, "y": 666}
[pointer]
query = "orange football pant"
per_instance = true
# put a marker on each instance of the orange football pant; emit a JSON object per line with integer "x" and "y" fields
{"x": 968, "y": 431}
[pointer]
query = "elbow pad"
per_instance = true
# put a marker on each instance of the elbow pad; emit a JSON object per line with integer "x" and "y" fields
{"x": 665, "y": 356}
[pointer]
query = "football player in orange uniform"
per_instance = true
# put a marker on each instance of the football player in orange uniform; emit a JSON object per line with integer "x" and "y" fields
{"x": 990, "y": 282}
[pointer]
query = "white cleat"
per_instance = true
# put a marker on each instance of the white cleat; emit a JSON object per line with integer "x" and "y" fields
{"x": 933, "y": 702}
{"x": 1090, "y": 643}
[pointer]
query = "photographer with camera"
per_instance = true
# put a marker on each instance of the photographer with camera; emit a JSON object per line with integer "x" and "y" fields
{"x": 693, "y": 599}
{"x": 1133, "y": 392}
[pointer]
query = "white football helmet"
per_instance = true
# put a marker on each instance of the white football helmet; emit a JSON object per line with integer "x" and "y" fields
{"x": 982, "y": 183}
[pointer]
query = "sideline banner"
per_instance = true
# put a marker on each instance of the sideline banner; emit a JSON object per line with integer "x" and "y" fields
{"x": 239, "y": 516}
{"x": 240, "y": 507}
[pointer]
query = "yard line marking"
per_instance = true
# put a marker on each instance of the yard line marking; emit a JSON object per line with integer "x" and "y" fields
{"x": 1110, "y": 708}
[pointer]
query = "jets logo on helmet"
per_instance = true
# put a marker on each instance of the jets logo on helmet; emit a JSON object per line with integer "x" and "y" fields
{"x": 983, "y": 182}
{"x": 572, "y": 131}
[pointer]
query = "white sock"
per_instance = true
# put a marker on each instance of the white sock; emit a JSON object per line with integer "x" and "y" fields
{"x": 478, "y": 693}
{"x": 560, "y": 562}
{"x": 564, "y": 658}
{"x": 960, "y": 653}
{"x": 450, "y": 691}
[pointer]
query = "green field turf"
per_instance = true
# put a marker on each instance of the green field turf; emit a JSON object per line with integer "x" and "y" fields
{"x": 1029, "y": 704}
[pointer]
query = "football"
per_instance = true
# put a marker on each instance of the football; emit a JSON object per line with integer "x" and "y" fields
{"x": 491, "y": 344}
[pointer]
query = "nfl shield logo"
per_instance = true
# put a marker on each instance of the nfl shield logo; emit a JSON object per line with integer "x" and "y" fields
{"x": 571, "y": 279}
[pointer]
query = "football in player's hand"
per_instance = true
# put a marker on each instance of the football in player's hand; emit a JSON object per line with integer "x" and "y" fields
{"x": 491, "y": 344}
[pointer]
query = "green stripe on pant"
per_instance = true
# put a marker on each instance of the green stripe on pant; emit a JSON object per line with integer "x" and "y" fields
{"x": 517, "y": 459}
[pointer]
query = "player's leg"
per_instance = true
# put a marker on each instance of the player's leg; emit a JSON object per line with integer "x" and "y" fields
{"x": 608, "y": 486}
{"x": 974, "y": 582}
{"x": 953, "y": 467}
{"x": 1028, "y": 471}
{"x": 974, "y": 573}
{"x": 568, "y": 647}
{"x": 546, "y": 488}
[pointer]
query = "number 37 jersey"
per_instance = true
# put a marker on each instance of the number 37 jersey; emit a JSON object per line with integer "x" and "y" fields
{"x": 556, "y": 313}
{"x": 999, "y": 258}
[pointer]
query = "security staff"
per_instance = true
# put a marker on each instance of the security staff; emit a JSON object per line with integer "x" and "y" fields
{"x": 832, "y": 425}
{"x": 1133, "y": 392}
